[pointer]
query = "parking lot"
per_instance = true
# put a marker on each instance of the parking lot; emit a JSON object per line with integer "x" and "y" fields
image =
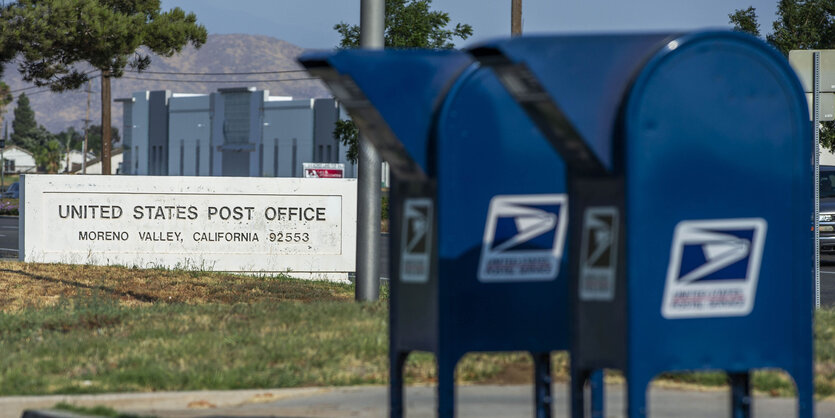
{"x": 828, "y": 280}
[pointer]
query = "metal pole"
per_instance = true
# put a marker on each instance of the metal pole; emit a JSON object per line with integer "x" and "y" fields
{"x": 369, "y": 174}
{"x": 515, "y": 17}
{"x": 86, "y": 129}
{"x": 3, "y": 159}
{"x": 815, "y": 126}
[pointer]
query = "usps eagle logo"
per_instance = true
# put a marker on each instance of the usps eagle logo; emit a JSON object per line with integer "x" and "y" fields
{"x": 523, "y": 238}
{"x": 416, "y": 240}
{"x": 714, "y": 267}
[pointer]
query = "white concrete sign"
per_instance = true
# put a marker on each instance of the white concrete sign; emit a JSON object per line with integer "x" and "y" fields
{"x": 303, "y": 227}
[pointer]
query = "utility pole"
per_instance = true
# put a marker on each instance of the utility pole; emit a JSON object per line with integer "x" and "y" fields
{"x": 3, "y": 159}
{"x": 369, "y": 174}
{"x": 105, "y": 123}
{"x": 515, "y": 17}
{"x": 86, "y": 129}
{"x": 67, "y": 139}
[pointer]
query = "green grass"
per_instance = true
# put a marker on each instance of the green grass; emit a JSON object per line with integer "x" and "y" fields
{"x": 95, "y": 329}
{"x": 87, "y": 346}
{"x": 86, "y": 329}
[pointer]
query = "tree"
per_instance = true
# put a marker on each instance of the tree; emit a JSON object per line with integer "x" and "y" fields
{"x": 6, "y": 98}
{"x": 27, "y": 134}
{"x": 746, "y": 21}
{"x": 94, "y": 139}
{"x": 23, "y": 124}
{"x": 48, "y": 157}
{"x": 800, "y": 24}
{"x": 36, "y": 139}
{"x": 409, "y": 24}
{"x": 59, "y": 39}
{"x": 70, "y": 139}
{"x": 7, "y": 48}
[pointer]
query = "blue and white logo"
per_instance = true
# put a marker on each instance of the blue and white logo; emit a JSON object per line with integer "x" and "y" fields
{"x": 523, "y": 238}
{"x": 416, "y": 244}
{"x": 714, "y": 268}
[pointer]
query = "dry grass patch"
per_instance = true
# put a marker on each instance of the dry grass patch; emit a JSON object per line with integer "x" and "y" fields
{"x": 40, "y": 285}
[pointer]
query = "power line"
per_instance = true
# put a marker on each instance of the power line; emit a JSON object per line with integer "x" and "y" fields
{"x": 37, "y": 87}
{"x": 231, "y": 73}
{"x": 25, "y": 89}
{"x": 41, "y": 91}
{"x": 221, "y": 81}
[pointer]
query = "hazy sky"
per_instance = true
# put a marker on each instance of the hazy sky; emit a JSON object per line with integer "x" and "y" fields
{"x": 309, "y": 23}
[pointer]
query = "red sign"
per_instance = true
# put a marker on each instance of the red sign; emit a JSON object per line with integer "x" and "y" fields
{"x": 323, "y": 173}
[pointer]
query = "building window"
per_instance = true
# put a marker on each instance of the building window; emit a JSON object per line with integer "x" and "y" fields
{"x": 293, "y": 161}
{"x": 329, "y": 158}
{"x": 275, "y": 158}
{"x": 236, "y": 115}
{"x": 127, "y": 135}
{"x": 153, "y": 165}
{"x": 182, "y": 154}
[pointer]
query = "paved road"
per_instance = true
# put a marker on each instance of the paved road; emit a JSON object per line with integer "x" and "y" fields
{"x": 8, "y": 236}
{"x": 372, "y": 401}
{"x": 384, "y": 260}
{"x": 828, "y": 280}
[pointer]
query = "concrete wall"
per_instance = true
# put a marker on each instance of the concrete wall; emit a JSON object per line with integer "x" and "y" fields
{"x": 158, "y": 132}
{"x": 188, "y": 134}
{"x": 127, "y": 135}
{"x": 325, "y": 146}
{"x": 226, "y": 224}
{"x": 288, "y": 137}
{"x": 189, "y": 130}
{"x": 139, "y": 135}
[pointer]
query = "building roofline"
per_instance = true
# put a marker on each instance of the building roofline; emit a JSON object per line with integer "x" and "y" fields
{"x": 24, "y": 150}
{"x": 237, "y": 89}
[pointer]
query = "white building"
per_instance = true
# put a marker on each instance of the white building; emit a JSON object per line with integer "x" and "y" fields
{"x": 94, "y": 166}
{"x": 18, "y": 160}
{"x": 232, "y": 132}
{"x": 75, "y": 159}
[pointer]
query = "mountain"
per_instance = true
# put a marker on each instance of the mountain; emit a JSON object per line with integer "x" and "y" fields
{"x": 221, "y": 54}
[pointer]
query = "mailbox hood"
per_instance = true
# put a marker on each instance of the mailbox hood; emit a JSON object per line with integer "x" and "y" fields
{"x": 573, "y": 86}
{"x": 392, "y": 96}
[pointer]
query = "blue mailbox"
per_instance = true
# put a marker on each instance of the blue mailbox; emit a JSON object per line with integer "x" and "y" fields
{"x": 690, "y": 168}
{"x": 479, "y": 212}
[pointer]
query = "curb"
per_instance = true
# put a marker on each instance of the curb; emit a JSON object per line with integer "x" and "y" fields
{"x": 51, "y": 413}
{"x": 130, "y": 402}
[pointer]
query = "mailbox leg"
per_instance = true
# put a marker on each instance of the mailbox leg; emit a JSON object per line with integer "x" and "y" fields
{"x": 805, "y": 396}
{"x": 598, "y": 394}
{"x": 446, "y": 386}
{"x": 397, "y": 361}
{"x": 740, "y": 394}
{"x": 636, "y": 396}
{"x": 542, "y": 385}
{"x": 578, "y": 384}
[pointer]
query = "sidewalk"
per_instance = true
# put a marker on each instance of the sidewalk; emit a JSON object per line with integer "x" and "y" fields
{"x": 372, "y": 401}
